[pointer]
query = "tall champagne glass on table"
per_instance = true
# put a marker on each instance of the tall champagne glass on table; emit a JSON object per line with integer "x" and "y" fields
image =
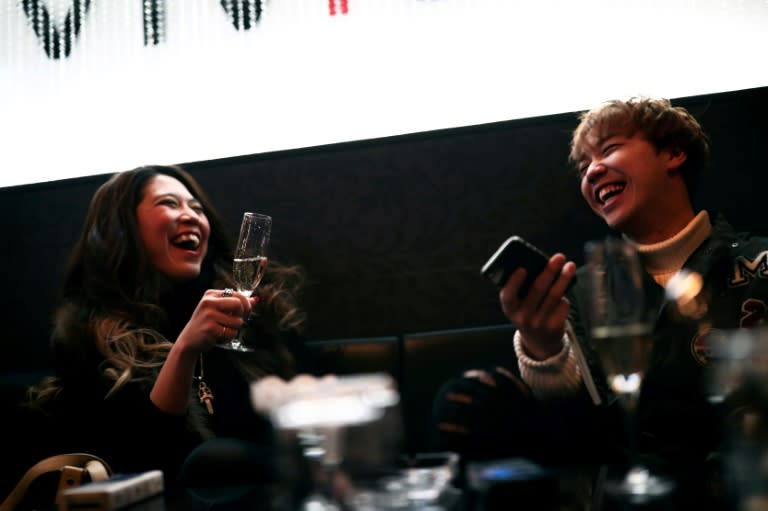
{"x": 250, "y": 261}
{"x": 621, "y": 324}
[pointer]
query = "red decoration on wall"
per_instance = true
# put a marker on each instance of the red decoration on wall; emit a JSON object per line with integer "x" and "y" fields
{"x": 343, "y": 7}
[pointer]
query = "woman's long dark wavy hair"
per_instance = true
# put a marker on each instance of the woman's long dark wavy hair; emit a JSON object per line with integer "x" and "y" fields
{"x": 109, "y": 305}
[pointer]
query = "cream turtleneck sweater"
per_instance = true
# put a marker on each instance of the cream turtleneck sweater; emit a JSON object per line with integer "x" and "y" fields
{"x": 560, "y": 375}
{"x": 662, "y": 260}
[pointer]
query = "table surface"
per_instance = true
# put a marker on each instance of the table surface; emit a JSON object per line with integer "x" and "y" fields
{"x": 571, "y": 489}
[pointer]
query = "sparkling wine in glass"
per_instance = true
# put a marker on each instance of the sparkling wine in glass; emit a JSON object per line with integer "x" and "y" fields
{"x": 621, "y": 324}
{"x": 250, "y": 261}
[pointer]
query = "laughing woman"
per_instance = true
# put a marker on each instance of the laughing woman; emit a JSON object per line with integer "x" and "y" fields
{"x": 143, "y": 304}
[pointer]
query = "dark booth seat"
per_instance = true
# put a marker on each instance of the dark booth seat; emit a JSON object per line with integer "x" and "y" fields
{"x": 420, "y": 362}
{"x": 14, "y": 385}
{"x": 431, "y": 358}
{"x": 358, "y": 355}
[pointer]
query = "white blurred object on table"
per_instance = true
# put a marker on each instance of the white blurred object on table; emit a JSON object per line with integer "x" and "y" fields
{"x": 340, "y": 423}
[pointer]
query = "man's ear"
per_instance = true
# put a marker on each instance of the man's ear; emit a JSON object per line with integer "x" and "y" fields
{"x": 676, "y": 158}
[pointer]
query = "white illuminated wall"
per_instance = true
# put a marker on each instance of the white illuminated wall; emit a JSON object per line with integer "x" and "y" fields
{"x": 303, "y": 77}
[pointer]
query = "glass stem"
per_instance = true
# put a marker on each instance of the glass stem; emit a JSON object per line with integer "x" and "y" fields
{"x": 631, "y": 429}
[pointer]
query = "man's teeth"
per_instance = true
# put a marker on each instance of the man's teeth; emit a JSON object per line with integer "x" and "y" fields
{"x": 605, "y": 193}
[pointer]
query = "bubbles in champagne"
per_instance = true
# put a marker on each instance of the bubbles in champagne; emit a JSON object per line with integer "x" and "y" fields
{"x": 248, "y": 273}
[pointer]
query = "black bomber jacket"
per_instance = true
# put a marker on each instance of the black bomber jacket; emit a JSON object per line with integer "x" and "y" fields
{"x": 676, "y": 418}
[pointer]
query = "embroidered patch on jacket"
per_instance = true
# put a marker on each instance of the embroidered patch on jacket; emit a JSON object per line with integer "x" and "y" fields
{"x": 745, "y": 269}
{"x": 754, "y": 313}
{"x": 705, "y": 342}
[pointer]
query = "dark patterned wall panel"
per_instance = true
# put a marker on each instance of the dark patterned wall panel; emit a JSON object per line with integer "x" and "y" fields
{"x": 391, "y": 232}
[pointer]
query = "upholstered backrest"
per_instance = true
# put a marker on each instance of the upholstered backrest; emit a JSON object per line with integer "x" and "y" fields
{"x": 358, "y": 355}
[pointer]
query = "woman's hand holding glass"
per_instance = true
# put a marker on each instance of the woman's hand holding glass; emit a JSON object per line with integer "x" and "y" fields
{"x": 217, "y": 317}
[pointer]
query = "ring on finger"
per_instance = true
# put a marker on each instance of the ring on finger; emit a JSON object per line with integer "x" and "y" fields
{"x": 228, "y": 291}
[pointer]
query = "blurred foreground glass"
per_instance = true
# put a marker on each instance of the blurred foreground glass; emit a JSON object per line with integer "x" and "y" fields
{"x": 738, "y": 380}
{"x": 346, "y": 430}
{"x": 621, "y": 322}
{"x": 421, "y": 482}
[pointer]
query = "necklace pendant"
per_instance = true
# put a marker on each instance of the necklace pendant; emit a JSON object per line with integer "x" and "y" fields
{"x": 205, "y": 395}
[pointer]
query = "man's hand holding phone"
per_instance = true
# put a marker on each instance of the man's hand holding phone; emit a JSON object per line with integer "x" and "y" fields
{"x": 540, "y": 314}
{"x": 532, "y": 295}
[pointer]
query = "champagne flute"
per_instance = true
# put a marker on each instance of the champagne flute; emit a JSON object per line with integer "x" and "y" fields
{"x": 621, "y": 325}
{"x": 250, "y": 262}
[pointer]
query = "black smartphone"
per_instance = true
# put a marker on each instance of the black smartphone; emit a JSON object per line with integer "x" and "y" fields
{"x": 514, "y": 253}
